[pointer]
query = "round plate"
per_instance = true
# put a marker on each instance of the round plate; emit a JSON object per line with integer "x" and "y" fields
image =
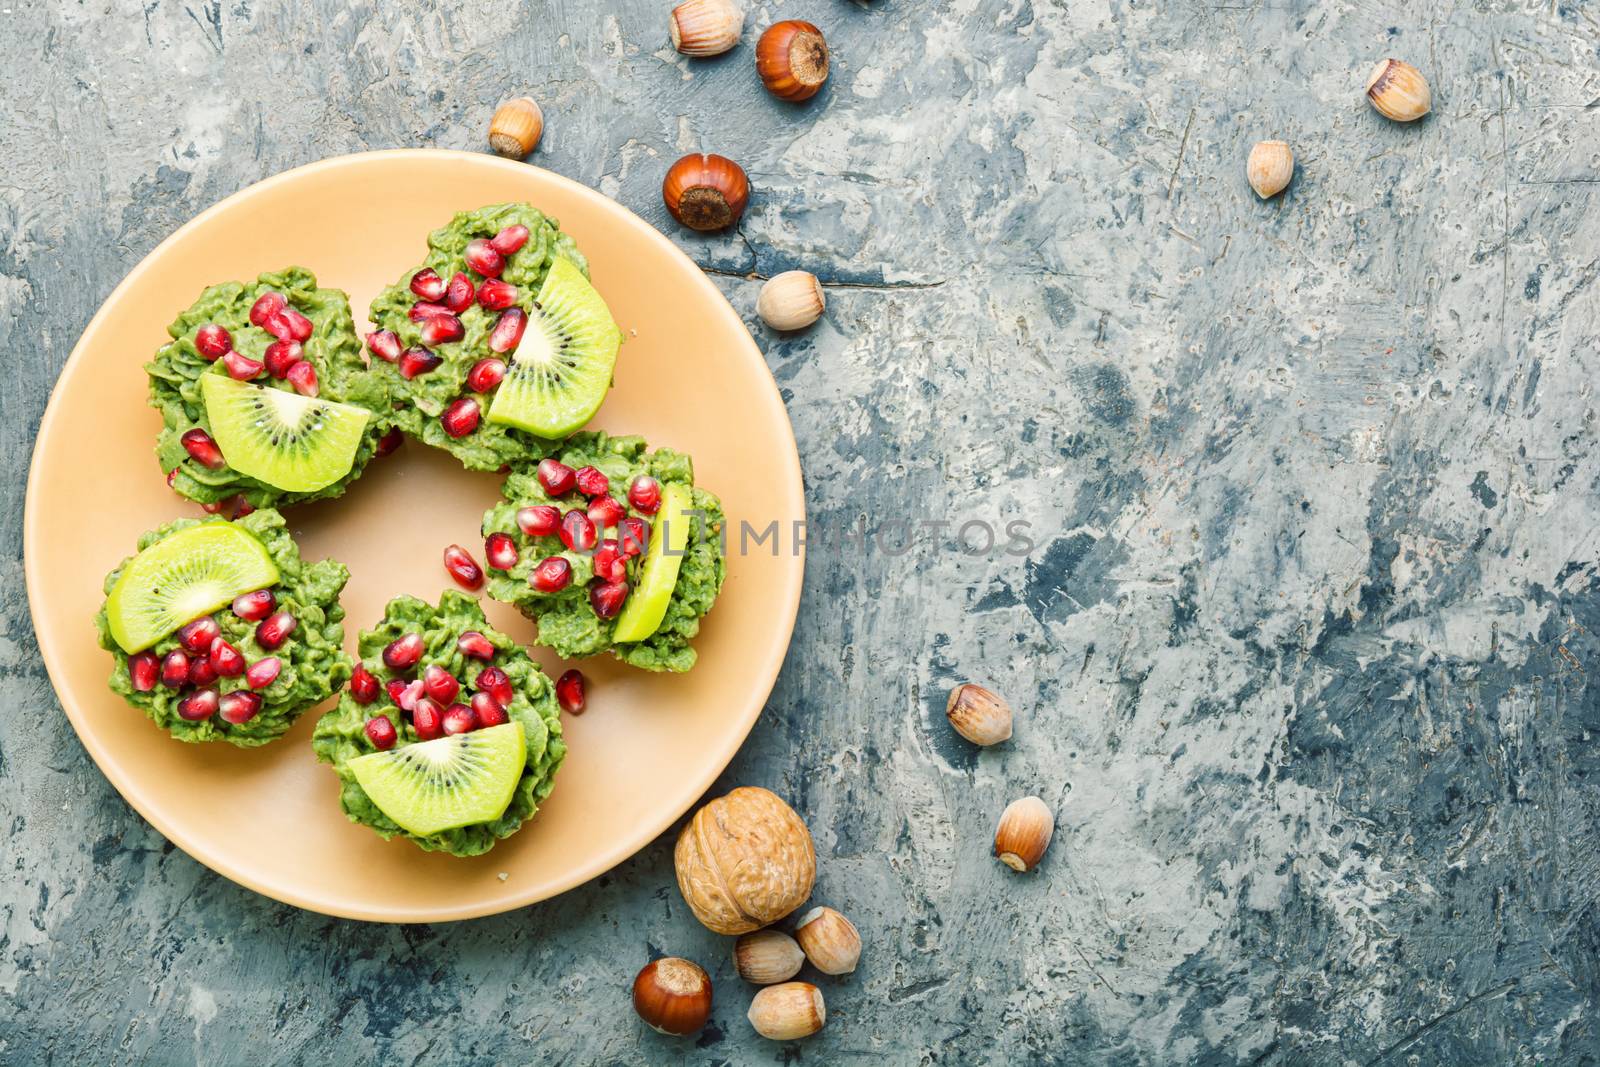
{"x": 648, "y": 746}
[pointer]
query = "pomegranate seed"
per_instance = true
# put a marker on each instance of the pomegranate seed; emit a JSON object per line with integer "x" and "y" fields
{"x": 500, "y": 551}
{"x": 482, "y": 257}
{"x": 213, "y": 507}
{"x": 577, "y": 532}
{"x": 403, "y": 652}
{"x": 461, "y": 417}
{"x": 410, "y": 693}
{"x": 634, "y": 535}
{"x": 201, "y": 673}
{"x": 303, "y": 376}
{"x": 363, "y": 685}
{"x": 592, "y": 481}
{"x": 425, "y": 720}
{"x": 288, "y": 325}
{"x": 281, "y": 355}
{"x": 486, "y": 374}
{"x": 551, "y": 575}
{"x": 396, "y": 688}
{"x": 198, "y": 635}
{"x": 556, "y": 477}
{"x": 496, "y": 295}
{"x": 199, "y": 444}
{"x": 212, "y": 342}
{"x": 381, "y": 732}
{"x": 263, "y": 672}
{"x": 487, "y": 710}
{"x": 239, "y": 706}
{"x": 474, "y": 645}
{"x": 172, "y": 476}
{"x": 253, "y": 607}
{"x": 385, "y": 344}
{"x": 644, "y": 493}
{"x": 508, "y": 240}
{"x": 570, "y": 692}
{"x": 422, "y": 311}
{"x": 459, "y": 296}
{"x": 440, "y": 684}
{"x": 242, "y": 507}
{"x": 507, "y": 332}
{"x": 427, "y": 284}
{"x": 606, "y": 597}
{"x": 389, "y": 442}
{"x": 417, "y": 361}
{"x": 226, "y": 659}
{"x": 199, "y": 705}
{"x": 274, "y": 629}
{"x": 463, "y": 568}
{"x": 267, "y": 305}
{"x": 496, "y": 683}
{"x": 459, "y": 719}
{"x": 443, "y": 330}
{"x": 143, "y": 670}
{"x": 609, "y": 562}
{"x": 175, "y": 669}
{"x": 606, "y": 511}
{"x": 242, "y": 368}
{"x": 541, "y": 520}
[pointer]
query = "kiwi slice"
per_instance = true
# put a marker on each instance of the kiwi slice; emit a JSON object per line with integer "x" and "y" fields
{"x": 454, "y": 781}
{"x": 669, "y": 540}
{"x": 295, "y": 443}
{"x": 560, "y": 372}
{"x": 182, "y": 577}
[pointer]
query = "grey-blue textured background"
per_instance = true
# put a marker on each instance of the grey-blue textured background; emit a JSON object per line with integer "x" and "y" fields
{"x": 1301, "y": 658}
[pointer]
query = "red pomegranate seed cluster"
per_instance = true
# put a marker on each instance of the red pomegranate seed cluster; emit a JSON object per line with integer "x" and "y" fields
{"x": 437, "y": 311}
{"x": 432, "y": 702}
{"x": 585, "y": 529}
{"x": 204, "y": 657}
{"x": 284, "y": 358}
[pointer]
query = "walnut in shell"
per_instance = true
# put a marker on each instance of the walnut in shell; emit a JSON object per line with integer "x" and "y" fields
{"x": 745, "y": 860}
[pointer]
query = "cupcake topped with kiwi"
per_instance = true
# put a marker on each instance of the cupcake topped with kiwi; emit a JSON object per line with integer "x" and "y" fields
{"x": 496, "y": 346}
{"x": 265, "y": 396}
{"x": 448, "y": 735}
{"x": 221, "y": 632}
{"x": 609, "y": 547}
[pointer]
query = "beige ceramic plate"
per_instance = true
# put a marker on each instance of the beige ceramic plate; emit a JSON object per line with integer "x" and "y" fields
{"x": 689, "y": 377}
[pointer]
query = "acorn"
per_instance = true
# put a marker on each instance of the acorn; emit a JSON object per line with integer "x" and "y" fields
{"x": 792, "y": 59}
{"x": 1399, "y": 91}
{"x": 516, "y": 128}
{"x": 705, "y": 192}
{"x": 673, "y": 996}
{"x": 1024, "y": 833}
{"x": 792, "y": 300}
{"x": 1270, "y": 167}
{"x": 705, "y": 27}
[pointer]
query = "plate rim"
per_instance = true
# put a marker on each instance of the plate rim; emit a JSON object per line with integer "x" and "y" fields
{"x": 127, "y": 786}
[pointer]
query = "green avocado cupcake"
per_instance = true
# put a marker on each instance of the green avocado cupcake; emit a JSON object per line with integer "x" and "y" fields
{"x": 496, "y": 346}
{"x": 221, "y": 632}
{"x": 448, "y": 735}
{"x": 609, "y": 548}
{"x": 265, "y": 395}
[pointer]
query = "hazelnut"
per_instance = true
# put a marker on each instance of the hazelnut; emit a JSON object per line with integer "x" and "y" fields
{"x": 705, "y": 192}
{"x": 1024, "y": 833}
{"x": 767, "y": 956}
{"x": 705, "y": 27}
{"x": 744, "y": 861}
{"x": 788, "y": 1011}
{"x": 516, "y": 127}
{"x": 1399, "y": 91}
{"x": 673, "y": 995}
{"x": 831, "y": 942}
{"x": 1270, "y": 167}
{"x": 792, "y": 300}
{"x": 792, "y": 59}
{"x": 981, "y": 716}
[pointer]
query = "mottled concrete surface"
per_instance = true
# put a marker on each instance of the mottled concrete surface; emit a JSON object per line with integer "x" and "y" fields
{"x": 1301, "y": 655}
